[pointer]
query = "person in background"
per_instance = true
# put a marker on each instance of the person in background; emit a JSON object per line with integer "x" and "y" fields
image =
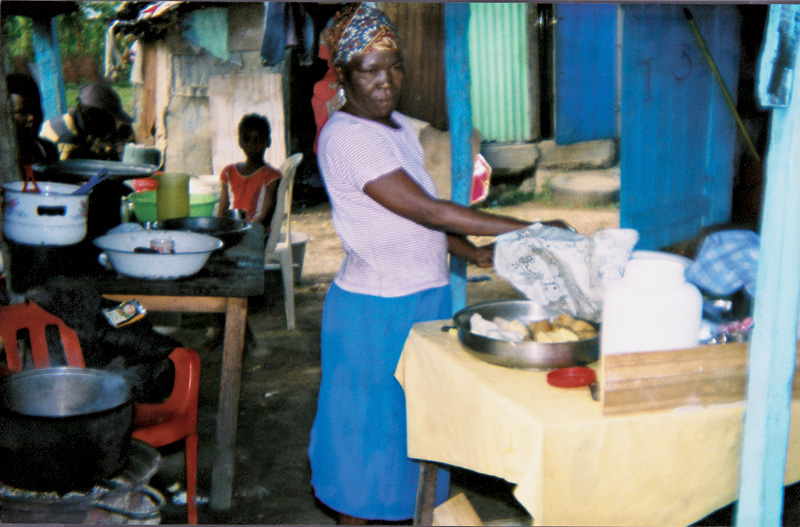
{"x": 252, "y": 184}
{"x": 26, "y": 110}
{"x": 90, "y": 130}
{"x": 396, "y": 236}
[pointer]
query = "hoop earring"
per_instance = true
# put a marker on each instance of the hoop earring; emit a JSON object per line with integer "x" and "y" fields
{"x": 337, "y": 101}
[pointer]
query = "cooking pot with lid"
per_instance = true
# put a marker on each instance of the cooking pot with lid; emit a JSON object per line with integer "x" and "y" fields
{"x": 52, "y": 216}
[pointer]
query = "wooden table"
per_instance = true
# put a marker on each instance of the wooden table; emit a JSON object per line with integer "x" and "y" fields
{"x": 571, "y": 464}
{"x": 223, "y": 285}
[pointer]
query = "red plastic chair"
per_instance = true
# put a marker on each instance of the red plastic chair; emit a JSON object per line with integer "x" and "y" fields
{"x": 156, "y": 424}
{"x": 165, "y": 423}
{"x": 30, "y": 316}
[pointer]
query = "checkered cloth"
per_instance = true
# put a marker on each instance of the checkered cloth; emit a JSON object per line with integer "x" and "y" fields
{"x": 726, "y": 262}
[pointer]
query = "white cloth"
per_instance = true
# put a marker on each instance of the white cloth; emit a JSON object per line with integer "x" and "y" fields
{"x": 562, "y": 270}
{"x": 385, "y": 254}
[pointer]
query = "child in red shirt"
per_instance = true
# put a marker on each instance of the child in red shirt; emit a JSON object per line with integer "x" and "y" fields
{"x": 251, "y": 185}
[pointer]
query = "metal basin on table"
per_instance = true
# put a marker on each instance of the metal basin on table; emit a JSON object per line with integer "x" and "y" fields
{"x": 526, "y": 354}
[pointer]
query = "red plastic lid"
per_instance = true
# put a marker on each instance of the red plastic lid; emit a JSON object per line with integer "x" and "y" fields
{"x": 571, "y": 377}
{"x": 144, "y": 183}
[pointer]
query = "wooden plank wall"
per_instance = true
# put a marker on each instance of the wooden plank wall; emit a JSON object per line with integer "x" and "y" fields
{"x": 146, "y": 120}
{"x": 231, "y": 97}
{"x": 420, "y": 27}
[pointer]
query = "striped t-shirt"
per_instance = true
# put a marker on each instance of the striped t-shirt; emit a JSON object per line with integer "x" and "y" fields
{"x": 385, "y": 254}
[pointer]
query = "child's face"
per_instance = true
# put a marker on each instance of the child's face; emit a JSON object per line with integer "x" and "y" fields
{"x": 26, "y": 116}
{"x": 253, "y": 143}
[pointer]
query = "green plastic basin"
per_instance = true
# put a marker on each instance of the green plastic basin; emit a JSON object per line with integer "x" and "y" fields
{"x": 144, "y": 205}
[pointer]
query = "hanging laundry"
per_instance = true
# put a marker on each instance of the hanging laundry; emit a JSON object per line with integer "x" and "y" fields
{"x": 288, "y": 24}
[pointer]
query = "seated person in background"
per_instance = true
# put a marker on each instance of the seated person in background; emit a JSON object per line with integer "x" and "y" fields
{"x": 251, "y": 185}
{"x": 90, "y": 129}
{"x": 26, "y": 110}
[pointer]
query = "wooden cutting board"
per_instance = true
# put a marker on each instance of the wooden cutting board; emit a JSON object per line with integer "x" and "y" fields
{"x": 662, "y": 380}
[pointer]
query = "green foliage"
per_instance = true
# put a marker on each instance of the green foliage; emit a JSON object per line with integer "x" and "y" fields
{"x": 507, "y": 198}
{"x": 80, "y": 33}
{"x": 17, "y": 37}
{"x": 546, "y": 195}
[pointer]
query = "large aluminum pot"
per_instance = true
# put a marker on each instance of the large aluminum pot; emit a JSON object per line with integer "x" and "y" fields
{"x": 52, "y": 216}
{"x": 527, "y": 354}
{"x": 63, "y": 429}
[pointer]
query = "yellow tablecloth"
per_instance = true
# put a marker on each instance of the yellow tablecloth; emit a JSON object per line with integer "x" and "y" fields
{"x": 571, "y": 465}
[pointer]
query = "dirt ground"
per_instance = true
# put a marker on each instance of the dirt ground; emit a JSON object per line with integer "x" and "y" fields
{"x": 280, "y": 378}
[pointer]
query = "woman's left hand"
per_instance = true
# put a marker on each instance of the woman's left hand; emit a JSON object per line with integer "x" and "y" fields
{"x": 466, "y": 250}
{"x": 484, "y": 256}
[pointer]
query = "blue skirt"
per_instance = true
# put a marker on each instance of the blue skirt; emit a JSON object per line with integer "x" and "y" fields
{"x": 359, "y": 461}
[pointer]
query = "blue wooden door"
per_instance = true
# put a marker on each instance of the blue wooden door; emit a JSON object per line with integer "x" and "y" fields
{"x": 585, "y": 72}
{"x": 677, "y": 133}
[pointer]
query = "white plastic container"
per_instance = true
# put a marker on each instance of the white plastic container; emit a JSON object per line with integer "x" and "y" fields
{"x": 652, "y": 307}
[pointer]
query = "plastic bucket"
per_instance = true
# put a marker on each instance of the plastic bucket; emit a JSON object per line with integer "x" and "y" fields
{"x": 299, "y": 242}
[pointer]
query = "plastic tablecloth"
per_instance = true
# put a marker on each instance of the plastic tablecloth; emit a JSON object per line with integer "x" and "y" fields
{"x": 570, "y": 464}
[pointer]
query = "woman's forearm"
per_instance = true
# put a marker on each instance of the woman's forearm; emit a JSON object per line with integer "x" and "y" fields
{"x": 400, "y": 194}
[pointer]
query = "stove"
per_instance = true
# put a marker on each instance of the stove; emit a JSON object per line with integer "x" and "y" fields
{"x": 124, "y": 499}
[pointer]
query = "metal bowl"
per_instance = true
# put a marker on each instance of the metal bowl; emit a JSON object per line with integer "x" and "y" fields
{"x": 228, "y": 230}
{"x": 528, "y": 354}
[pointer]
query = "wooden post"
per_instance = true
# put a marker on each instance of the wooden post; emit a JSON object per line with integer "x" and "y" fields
{"x": 457, "y": 82}
{"x": 426, "y": 493}
{"x": 9, "y": 169}
{"x": 772, "y": 348}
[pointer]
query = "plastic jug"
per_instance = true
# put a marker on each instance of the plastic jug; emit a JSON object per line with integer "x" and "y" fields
{"x": 172, "y": 196}
{"x": 652, "y": 307}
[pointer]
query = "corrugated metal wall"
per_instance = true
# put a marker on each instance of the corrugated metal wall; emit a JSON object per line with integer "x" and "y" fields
{"x": 421, "y": 31}
{"x": 499, "y": 70}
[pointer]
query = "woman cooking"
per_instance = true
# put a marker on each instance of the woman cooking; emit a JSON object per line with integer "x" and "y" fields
{"x": 396, "y": 236}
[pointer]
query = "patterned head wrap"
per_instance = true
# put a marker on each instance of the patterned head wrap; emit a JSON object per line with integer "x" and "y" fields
{"x": 359, "y": 29}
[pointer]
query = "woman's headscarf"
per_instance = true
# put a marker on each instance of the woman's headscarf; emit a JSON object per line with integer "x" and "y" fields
{"x": 359, "y": 29}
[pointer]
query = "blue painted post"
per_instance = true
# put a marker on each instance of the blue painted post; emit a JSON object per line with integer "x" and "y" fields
{"x": 48, "y": 62}
{"x": 772, "y": 349}
{"x": 457, "y": 84}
